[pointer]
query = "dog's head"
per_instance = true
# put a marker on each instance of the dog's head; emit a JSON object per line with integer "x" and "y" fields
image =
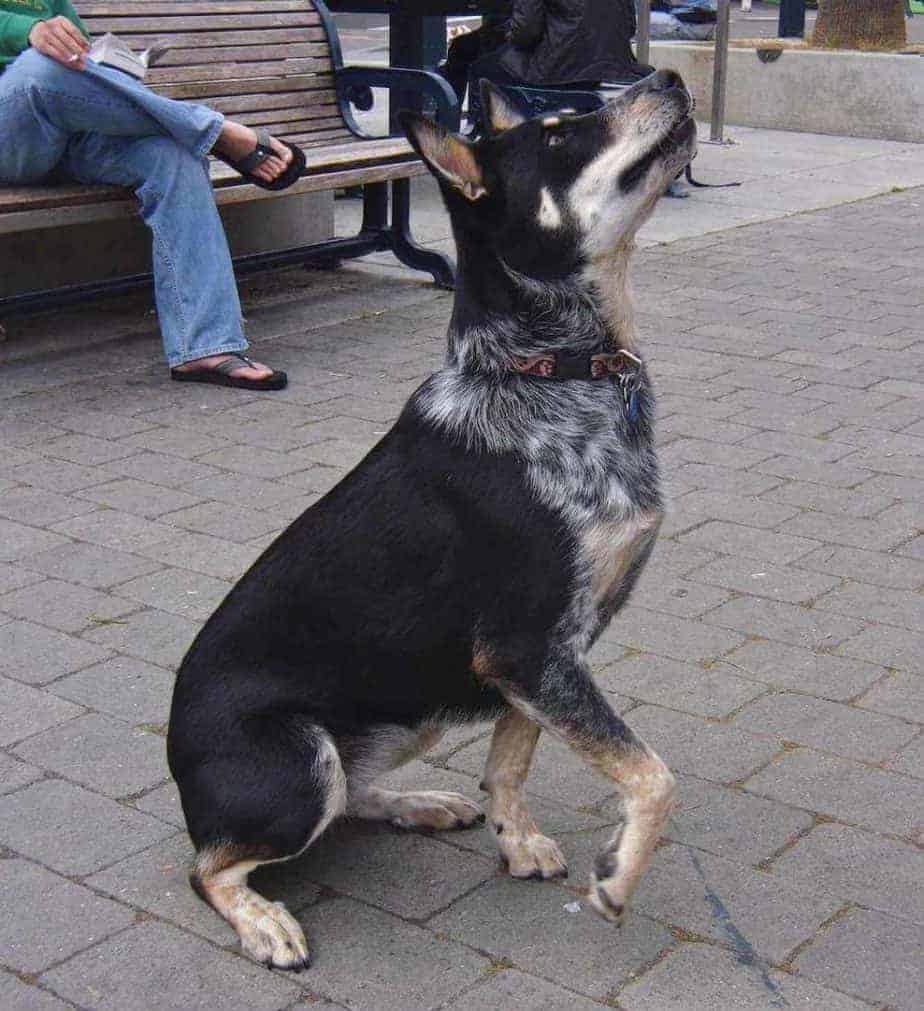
{"x": 549, "y": 195}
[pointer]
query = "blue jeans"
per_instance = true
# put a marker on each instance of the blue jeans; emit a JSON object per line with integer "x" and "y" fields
{"x": 102, "y": 126}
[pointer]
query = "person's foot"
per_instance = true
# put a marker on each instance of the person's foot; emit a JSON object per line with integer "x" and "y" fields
{"x": 254, "y": 371}
{"x": 236, "y": 141}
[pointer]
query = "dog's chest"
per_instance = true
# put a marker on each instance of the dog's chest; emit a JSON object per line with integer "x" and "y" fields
{"x": 610, "y": 549}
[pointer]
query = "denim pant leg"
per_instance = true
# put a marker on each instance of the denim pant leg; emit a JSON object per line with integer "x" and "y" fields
{"x": 195, "y": 290}
{"x": 42, "y": 104}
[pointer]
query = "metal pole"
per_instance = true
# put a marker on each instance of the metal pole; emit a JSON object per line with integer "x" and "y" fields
{"x": 643, "y": 33}
{"x": 720, "y": 72}
{"x": 792, "y": 19}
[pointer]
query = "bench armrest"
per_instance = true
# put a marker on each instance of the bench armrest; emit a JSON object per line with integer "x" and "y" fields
{"x": 423, "y": 83}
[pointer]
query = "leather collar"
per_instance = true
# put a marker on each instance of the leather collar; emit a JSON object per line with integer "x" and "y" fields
{"x": 566, "y": 364}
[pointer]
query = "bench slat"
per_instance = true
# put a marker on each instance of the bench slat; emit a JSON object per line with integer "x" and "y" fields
{"x": 240, "y": 104}
{"x": 205, "y": 22}
{"x": 237, "y": 71}
{"x": 241, "y": 55}
{"x": 205, "y": 40}
{"x": 203, "y": 90}
{"x": 189, "y": 6}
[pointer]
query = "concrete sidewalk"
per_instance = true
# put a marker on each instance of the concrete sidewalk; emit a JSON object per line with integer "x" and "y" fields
{"x": 772, "y": 653}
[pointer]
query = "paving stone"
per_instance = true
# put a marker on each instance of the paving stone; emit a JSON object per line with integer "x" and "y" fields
{"x": 157, "y": 880}
{"x": 858, "y": 502}
{"x": 53, "y": 918}
{"x": 137, "y": 970}
{"x": 212, "y": 517}
{"x": 267, "y": 464}
{"x": 790, "y": 623}
{"x": 19, "y": 541}
{"x": 140, "y": 498}
{"x": 890, "y": 647}
{"x": 405, "y": 873}
{"x": 114, "y": 529}
{"x": 370, "y": 960}
{"x": 689, "y": 744}
{"x": 65, "y": 606}
{"x": 749, "y": 542}
{"x": 15, "y": 995}
{"x": 731, "y": 823}
{"x": 511, "y": 990}
{"x": 101, "y": 753}
{"x": 59, "y": 476}
{"x": 526, "y": 922}
{"x": 859, "y": 867}
{"x": 128, "y": 689}
{"x": 161, "y": 469}
{"x": 870, "y": 535}
{"x": 14, "y": 774}
{"x": 38, "y": 655}
{"x": 840, "y": 475}
{"x": 897, "y": 694}
{"x": 40, "y": 507}
{"x": 72, "y": 830}
{"x": 876, "y": 603}
{"x": 868, "y": 954}
{"x": 910, "y": 760}
{"x": 652, "y": 632}
{"x": 876, "y": 567}
{"x": 213, "y": 556}
{"x": 172, "y": 441}
{"x": 791, "y": 585}
{"x": 802, "y": 447}
{"x": 755, "y": 912}
{"x": 680, "y": 597}
{"x": 12, "y": 577}
{"x": 27, "y": 711}
{"x": 715, "y": 691}
{"x": 91, "y": 565}
{"x": 85, "y": 449}
{"x": 829, "y": 726}
{"x": 844, "y": 790}
{"x": 914, "y": 548}
{"x": 822, "y": 674}
{"x": 189, "y": 594}
{"x": 164, "y": 803}
{"x": 698, "y": 977}
{"x": 159, "y": 638}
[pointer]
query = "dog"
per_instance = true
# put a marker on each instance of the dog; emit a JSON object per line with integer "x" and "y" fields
{"x": 464, "y": 569}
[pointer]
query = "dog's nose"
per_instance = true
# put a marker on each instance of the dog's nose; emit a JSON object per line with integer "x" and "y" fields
{"x": 664, "y": 80}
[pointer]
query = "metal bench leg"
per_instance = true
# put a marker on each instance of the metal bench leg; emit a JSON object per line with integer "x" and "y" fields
{"x": 403, "y": 245}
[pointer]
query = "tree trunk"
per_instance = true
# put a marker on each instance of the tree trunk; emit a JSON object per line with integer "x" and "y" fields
{"x": 860, "y": 24}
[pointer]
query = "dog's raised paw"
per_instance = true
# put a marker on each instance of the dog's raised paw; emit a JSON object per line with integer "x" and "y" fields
{"x": 532, "y": 856}
{"x": 605, "y": 905}
{"x": 436, "y": 810}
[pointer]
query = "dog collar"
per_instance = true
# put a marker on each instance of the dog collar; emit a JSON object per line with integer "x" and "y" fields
{"x": 566, "y": 364}
{"x": 621, "y": 365}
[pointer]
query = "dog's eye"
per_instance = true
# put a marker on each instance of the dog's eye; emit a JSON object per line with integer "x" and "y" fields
{"x": 554, "y": 139}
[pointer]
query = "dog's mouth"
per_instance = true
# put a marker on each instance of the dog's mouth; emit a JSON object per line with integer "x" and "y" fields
{"x": 678, "y": 137}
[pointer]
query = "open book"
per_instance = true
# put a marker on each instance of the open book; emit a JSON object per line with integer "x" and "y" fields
{"x": 110, "y": 51}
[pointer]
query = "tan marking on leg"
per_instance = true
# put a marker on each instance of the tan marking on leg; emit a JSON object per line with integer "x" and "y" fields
{"x": 529, "y": 854}
{"x": 647, "y": 786}
{"x": 268, "y": 931}
{"x": 432, "y": 809}
{"x": 611, "y": 548}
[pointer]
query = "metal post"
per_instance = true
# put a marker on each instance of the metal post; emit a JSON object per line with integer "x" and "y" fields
{"x": 792, "y": 19}
{"x": 720, "y": 72}
{"x": 643, "y": 32}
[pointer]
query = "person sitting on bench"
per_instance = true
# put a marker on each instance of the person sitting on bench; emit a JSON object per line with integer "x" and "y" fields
{"x": 64, "y": 117}
{"x": 557, "y": 43}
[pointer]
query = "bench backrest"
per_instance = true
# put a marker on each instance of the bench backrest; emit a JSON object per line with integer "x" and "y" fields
{"x": 265, "y": 62}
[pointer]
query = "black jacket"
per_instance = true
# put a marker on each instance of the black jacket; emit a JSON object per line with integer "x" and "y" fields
{"x": 559, "y": 41}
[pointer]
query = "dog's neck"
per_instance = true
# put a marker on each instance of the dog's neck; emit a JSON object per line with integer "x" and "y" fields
{"x": 499, "y": 312}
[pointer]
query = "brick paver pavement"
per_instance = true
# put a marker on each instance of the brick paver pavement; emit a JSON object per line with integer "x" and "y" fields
{"x": 774, "y": 653}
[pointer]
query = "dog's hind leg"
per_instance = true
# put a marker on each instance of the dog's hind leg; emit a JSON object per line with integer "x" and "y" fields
{"x": 527, "y": 852}
{"x": 257, "y": 808}
{"x": 385, "y": 751}
{"x": 565, "y": 701}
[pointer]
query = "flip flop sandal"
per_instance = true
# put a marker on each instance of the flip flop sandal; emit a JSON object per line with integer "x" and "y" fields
{"x": 263, "y": 150}
{"x": 220, "y": 375}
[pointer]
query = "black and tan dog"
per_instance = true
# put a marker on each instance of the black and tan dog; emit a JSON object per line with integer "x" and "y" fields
{"x": 464, "y": 569}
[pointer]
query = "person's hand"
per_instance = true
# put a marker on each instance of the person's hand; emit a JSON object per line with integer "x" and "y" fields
{"x": 61, "y": 40}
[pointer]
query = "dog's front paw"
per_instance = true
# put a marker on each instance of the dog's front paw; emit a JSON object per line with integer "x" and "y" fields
{"x": 606, "y": 897}
{"x": 271, "y": 935}
{"x": 435, "y": 809}
{"x": 531, "y": 856}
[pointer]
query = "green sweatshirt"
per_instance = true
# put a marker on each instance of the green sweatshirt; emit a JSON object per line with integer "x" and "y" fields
{"x": 17, "y": 18}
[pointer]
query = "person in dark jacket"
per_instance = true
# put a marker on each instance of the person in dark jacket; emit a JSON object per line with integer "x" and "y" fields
{"x": 562, "y": 42}
{"x": 465, "y": 49}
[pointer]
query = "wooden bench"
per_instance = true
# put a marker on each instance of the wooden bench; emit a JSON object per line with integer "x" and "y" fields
{"x": 272, "y": 63}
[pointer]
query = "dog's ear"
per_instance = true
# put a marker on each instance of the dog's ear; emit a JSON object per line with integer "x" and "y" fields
{"x": 499, "y": 112}
{"x": 449, "y": 157}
